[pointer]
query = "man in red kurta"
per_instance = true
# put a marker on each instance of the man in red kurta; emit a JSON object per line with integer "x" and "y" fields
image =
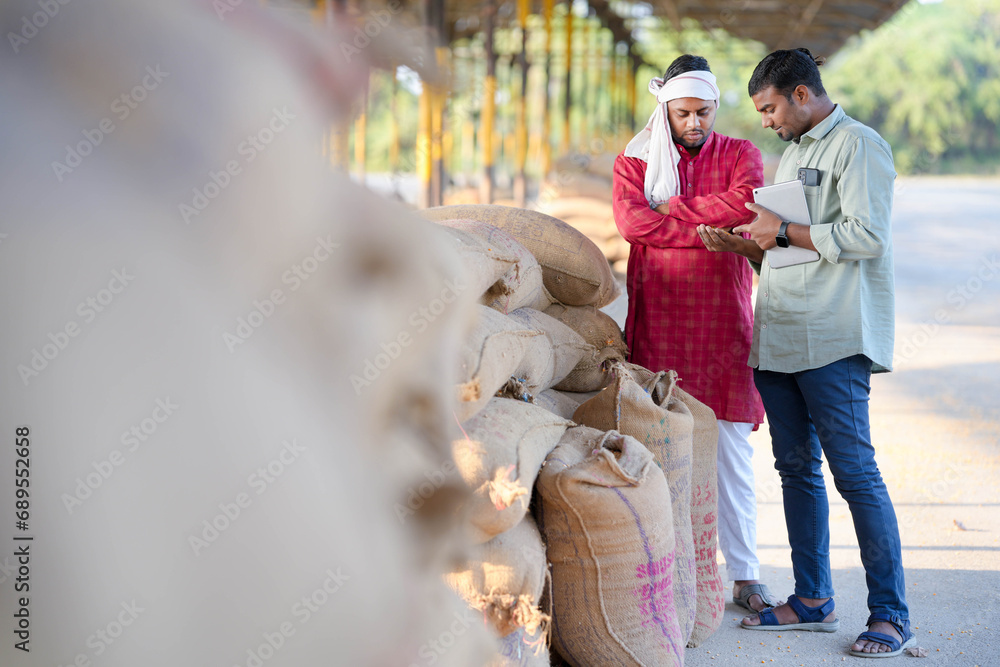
{"x": 689, "y": 309}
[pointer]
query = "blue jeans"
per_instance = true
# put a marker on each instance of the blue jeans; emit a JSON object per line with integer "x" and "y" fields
{"x": 825, "y": 410}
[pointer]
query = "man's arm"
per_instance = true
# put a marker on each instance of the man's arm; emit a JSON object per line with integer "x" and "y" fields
{"x": 718, "y": 240}
{"x": 766, "y": 225}
{"x": 865, "y": 189}
{"x": 724, "y": 209}
{"x": 639, "y": 224}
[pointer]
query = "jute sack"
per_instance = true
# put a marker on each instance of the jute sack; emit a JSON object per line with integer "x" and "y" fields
{"x": 550, "y": 357}
{"x": 484, "y": 263}
{"x": 605, "y": 515}
{"x": 666, "y": 429}
{"x": 704, "y": 517}
{"x": 605, "y": 338}
{"x": 522, "y": 649}
{"x": 504, "y": 578}
{"x": 557, "y": 402}
{"x": 573, "y": 269}
{"x": 499, "y": 459}
{"x": 521, "y": 285}
{"x": 489, "y": 356}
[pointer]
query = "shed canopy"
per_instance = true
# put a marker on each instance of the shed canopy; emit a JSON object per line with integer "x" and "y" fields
{"x": 822, "y": 26}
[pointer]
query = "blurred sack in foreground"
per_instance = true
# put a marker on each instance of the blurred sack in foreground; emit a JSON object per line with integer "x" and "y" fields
{"x": 232, "y": 368}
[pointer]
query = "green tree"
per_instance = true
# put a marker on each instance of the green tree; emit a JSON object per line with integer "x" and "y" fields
{"x": 929, "y": 82}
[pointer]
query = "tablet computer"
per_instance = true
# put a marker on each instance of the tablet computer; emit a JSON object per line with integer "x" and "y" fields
{"x": 788, "y": 201}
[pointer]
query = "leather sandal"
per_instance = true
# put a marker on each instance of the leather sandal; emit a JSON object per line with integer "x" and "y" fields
{"x": 810, "y": 618}
{"x": 896, "y": 646}
{"x": 750, "y": 590}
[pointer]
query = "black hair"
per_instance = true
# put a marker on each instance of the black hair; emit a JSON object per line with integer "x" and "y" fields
{"x": 686, "y": 63}
{"x": 786, "y": 70}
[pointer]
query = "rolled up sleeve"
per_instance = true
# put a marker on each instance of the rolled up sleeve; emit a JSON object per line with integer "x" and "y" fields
{"x": 865, "y": 185}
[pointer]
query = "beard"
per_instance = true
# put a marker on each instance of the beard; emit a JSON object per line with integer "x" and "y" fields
{"x": 692, "y": 140}
{"x": 786, "y": 135}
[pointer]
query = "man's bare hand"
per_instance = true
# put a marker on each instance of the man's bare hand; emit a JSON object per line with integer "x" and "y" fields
{"x": 663, "y": 209}
{"x": 764, "y": 227}
{"x": 719, "y": 240}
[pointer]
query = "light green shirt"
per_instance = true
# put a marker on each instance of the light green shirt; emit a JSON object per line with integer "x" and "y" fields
{"x": 810, "y": 315}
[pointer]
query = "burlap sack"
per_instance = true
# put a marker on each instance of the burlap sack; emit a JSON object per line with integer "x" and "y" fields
{"x": 605, "y": 515}
{"x": 704, "y": 518}
{"x": 499, "y": 459}
{"x": 485, "y": 264}
{"x": 666, "y": 429}
{"x": 504, "y": 580}
{"x": 573, "y": 269}
{"x": 557, "y": 402}
{"x": 518, "y": 287}
{"x": 605, "y": 338}
{"x": 522, "y": 649}
{"x": 550, "y": 357}
{"x": 489, "y": 357}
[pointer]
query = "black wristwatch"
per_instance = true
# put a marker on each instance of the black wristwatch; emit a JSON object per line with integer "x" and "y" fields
{"x": 782, "y": 239}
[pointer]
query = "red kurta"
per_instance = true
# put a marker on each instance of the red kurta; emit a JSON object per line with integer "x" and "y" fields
{"x": 689, "y": 309}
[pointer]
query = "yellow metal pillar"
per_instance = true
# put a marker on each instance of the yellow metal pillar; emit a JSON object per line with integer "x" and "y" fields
{"x": 633, "y": 68}
{"x": 393, "y": 125}
{"x": 586, "y": 84}
{"x": 489, "y": 107}
{"x": 613, "y": 91}
{"x": 547, "y": 102}
{"x": 438, "y": 98}
{"x": 422, "y": 149}
{"x": 360, "y": 133}
{"x": 564, "y": 149}
{"x": 521, "y": 129}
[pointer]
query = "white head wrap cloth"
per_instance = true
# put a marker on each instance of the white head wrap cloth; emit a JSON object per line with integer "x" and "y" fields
{"x": 654, "y": 143}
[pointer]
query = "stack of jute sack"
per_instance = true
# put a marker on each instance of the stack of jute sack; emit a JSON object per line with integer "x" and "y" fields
{"x": 578, "y": 192}
{"x": 613, "y": 497}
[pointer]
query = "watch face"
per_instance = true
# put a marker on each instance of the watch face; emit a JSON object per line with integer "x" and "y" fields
{"x": 782, "y": 241}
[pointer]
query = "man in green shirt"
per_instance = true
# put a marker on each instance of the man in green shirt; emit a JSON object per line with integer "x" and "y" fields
{"x": 820, "y": 330}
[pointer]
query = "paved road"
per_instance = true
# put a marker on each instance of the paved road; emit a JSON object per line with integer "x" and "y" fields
{"x": 936, "y": 424}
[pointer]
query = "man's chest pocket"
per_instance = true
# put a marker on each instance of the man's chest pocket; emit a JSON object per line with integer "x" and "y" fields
{"x": 814, "y": 201}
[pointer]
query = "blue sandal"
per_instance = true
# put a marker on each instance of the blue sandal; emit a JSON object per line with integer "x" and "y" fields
{"x": 897, "y": 646}
{"x": 810, "y": 618}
